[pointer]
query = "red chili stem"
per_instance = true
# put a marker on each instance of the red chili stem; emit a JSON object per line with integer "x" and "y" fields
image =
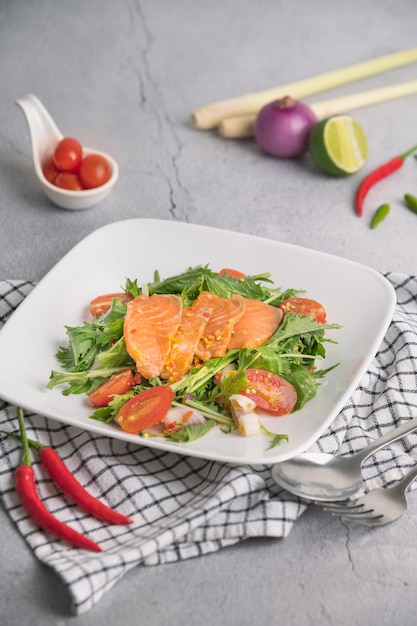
{"x": 67, "y": 482}
{"x": 33, "y": 505}
{"x": 26, "y": 459}
{"x": 384, "y": 170}
{"x": 404, "y": 155}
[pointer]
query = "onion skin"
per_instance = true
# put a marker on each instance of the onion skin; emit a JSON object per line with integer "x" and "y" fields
{"x": 282, "y": 127}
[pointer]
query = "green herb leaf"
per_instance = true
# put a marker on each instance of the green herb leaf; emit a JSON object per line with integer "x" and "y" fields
{"x": 185, "y": 434}
{"x": 275, "y": 438}
{"x": 115, "y": 356}
{"x": 81, "y": 382}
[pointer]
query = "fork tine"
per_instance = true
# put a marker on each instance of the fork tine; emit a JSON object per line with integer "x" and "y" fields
{"x": 357, "y": 509}
{"x": 369, "y": 514}
{"x": 341, "y": 506}
{"x": 372, "y": 520}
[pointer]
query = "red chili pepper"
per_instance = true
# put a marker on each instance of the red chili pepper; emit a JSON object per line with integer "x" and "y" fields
{"x": 376, "y": 175}
{"x": 37, "y": 511}
{"x": 66, "y": 481}
{"x": 33, "y": 505}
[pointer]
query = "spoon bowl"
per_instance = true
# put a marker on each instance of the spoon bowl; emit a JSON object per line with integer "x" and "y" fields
{"x": 44, "y": 136}
{"x": 320, "y": 476}
{"x": 326, "y": 477}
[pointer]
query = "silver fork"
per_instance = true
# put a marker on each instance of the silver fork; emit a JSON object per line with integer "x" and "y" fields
{"x": 376, "y": 508}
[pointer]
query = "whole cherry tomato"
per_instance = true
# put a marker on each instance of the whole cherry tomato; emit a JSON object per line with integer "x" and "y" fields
{"x": 68, "y": 155}
{"x": 50, "y": 171}
{"x": 94, "y": 171}
{"x": 68, "y": 180}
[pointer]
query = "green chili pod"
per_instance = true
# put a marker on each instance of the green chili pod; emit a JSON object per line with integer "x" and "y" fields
{"x": 380, "y": 214}
{"x": 411, "y": 202}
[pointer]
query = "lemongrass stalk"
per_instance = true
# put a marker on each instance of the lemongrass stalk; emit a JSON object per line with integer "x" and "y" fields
{"x": 242, "y": 126}
{"x": 210, "y": 115}
{"x": 366, "y": 98}
{"x": 238, "y": 127}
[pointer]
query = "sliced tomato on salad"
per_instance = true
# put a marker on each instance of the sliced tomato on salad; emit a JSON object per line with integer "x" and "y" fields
{"x": 118, "y": 384}
{"x": 146, "y": 409}
{"x": 270, "y": 392}
{"x": 228, "y": 271}
{"x": 102, "y": 304}
{"x": 304, "y": 307}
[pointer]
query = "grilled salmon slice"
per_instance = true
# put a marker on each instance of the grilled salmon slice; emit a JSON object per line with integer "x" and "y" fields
{"x": 194, "y": 320}
{"x": 257, "y": 325}
{"x": 150, "y": 324}
{"x": 226, "y": 312}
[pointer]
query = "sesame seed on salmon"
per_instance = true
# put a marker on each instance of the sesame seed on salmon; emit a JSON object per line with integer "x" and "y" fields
{"x": 150, "y": 324}
{"x": 257, "y": 325}
{"x": 194, "y": 320}
{"x": 226, "y": 312}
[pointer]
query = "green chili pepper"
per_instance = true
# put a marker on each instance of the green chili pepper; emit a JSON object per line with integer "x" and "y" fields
{"x": 411, "y": 202}
{"x": 380, "y": 214}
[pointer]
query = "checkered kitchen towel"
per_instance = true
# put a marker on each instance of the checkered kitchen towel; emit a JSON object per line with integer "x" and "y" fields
{"x": 185, "y": 507}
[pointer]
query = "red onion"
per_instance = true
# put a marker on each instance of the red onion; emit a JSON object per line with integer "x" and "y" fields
{"x": 282, "y": 127}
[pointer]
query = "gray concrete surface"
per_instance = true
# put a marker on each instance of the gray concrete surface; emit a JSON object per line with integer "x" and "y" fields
{"x": 124, "y": 76}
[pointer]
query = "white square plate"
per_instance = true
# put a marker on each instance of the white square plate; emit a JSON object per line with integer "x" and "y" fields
{"x": 355, "y": 296}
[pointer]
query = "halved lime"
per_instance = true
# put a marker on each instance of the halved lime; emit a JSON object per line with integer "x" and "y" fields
{"x": 338, "y": 145}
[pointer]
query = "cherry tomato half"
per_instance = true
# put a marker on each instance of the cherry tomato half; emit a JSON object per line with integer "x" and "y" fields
{"x": 102, "y": 304}
{"x": 94, "y": 171}
{"x": 304, "y": 307}
{"x": 227, "y": 271}
{"x": 270, "y": 392}
{"x": 117, "y": 384}
{"x": 145, "y": 410}
{"x": 68, "y": 180}
{"x": 68, "y": 154}
{"x": 50, "y": 170}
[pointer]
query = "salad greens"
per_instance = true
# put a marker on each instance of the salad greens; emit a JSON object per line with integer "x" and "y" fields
{"x": 96, "y": 350}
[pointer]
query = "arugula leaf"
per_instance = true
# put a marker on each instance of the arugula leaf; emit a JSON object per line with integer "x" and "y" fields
{"x": 109, "y": 412}
{"x": 199, "y": 378}
{"x": 115, "y": 356}
{"x": 132, "y": 287}
{"x": 275, "y": 438}
{"x": 200, "y": 278}
{"x": 79, "y": 355}
{"x": 86, "y": 341}
{"x": 299, "y": 327}
{"x": 185, "y": 434}
{"x": 81, "y": 382}
{"x": 232, "y": 383}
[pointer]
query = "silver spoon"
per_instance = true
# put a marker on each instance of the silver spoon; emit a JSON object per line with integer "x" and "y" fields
{"x": 44, "y": 135}
{"x": 326, "y": 477}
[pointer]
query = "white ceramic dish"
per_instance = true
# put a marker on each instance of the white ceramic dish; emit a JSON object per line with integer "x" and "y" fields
{"x": 355, "y": 296}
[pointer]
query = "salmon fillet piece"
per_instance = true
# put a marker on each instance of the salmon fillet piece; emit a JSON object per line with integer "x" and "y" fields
{"x": 150, "y": 324}
{"x": 194, "y": 320}
{"x": 226, "y": 312}
{"x": 257, "y": 325}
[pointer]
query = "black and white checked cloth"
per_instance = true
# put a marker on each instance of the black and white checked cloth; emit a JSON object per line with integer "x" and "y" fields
{"x": 185, "y": 507}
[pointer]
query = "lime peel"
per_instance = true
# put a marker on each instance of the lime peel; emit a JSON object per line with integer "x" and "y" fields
{"x": 338, "y": 145}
